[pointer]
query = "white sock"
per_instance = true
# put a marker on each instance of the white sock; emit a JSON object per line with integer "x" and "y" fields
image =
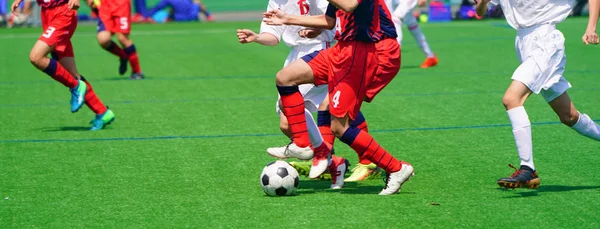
{"x": 421, "y": 40}
{"x": 521, "y": 127}
{"x": 587, "y": 127}
{"x": 313, "y": 130}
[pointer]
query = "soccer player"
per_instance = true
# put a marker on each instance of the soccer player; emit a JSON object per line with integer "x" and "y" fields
{"x": 182, "y": 10}
{"x": 59, "y": 20}
{"x": 115, "y": 18}
{"x": 349, "y": 70}
{"x": 541, "y": 50}
{"x": 402, "y": 13}
{"x": 296, "y": 37}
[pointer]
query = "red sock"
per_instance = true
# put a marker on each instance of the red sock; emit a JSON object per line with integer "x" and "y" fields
{"x": 133, "y": 59}
{"x": 361, "y": 124}
{"x": 368, "y": 148}
{"x": 293, "y": 108}
{"x": 93, "y": 102}
{"x": 60, "y": 74}
{"x": 324, "y": 123}
{"x": 116, "y": 50}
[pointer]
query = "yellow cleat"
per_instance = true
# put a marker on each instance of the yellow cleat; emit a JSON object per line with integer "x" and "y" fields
{"x": 361, "y": 172}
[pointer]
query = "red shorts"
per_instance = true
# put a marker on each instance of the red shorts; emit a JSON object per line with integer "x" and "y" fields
{"x": 388, "y": 53}
{"x": 116, "y": 16}
{"x": 59, "y": 24}
{"x": 347, "y": 68}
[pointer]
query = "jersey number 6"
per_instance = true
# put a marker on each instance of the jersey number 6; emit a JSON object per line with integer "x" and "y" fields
{"x": 304, "y": 7}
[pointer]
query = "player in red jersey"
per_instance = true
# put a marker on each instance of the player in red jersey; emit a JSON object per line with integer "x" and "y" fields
{"x": 59, "y": 20}
{"x": 349, "y": 69}
{"x": 115, "y": 18}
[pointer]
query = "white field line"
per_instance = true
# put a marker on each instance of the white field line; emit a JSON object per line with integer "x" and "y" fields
{"x": 133, "y": 33}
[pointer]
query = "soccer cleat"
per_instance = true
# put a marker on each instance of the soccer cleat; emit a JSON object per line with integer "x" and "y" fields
{"x": 394, "y": 181}
{"x": 78, "y": 95}
{"x": 136, "y": 76}
{"x": 210, "y": 18}
{"x": 102, "y": 120}
{"x": 303, "y": 167}
{"x": 321, "y": 160}
{"x": 361, "y": 172}
{"x": 291, "y": 150}
{"x": 430, "y": 62}
{"x": 337, "y": 169}
{"x": 122, "y": 66}
{"x": 522, "y": 177}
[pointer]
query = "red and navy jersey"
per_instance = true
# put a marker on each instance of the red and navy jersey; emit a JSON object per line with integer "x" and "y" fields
{"x": 51, "y": 3}
{"x": 370, "y": 22}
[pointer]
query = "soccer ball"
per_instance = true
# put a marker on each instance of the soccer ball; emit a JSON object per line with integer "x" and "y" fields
{"x": 279, "y": 179}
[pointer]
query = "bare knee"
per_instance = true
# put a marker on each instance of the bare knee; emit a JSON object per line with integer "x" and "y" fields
{"x": 511, "y": 101}
{"x": 284, "y": 78}
{"x": 104, "y": 39}
{"x": 569, "y": 118}
{"x": 338, "y": 130}
{"x": 124, "y": 40}
{"x": 37, "y": 59}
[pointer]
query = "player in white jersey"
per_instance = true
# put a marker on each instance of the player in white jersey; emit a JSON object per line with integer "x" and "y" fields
{"x": 303, "y": 41}
{"x": 541, "y": 51}
{"x": 402, "y": 13}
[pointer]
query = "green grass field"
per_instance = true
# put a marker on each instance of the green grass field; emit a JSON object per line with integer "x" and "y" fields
{"x": 188, "y": 144}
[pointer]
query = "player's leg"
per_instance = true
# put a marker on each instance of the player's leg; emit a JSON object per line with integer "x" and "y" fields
{"x": 364, "y": 144}
{"x": 365, "y": 167}
{"x": 513, "y": 100}
{"x": 413, "y": 26}
{"x": 292, "y": 101}
{"x": 105, "y": 41}
{"x": 132, "y": 55}
{"x": 570, "y": 116}
{"x": 204, "y": 10}
{"x": 104, "y": 116}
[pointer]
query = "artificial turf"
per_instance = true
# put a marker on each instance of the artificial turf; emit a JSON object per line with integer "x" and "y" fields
{"x": 188, "y": 144}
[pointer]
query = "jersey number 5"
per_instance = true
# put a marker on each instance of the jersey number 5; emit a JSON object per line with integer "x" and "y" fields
{"x": 304, "y": 7}
{"x": 124, "y": 23}
{"x": 49, "y": 32}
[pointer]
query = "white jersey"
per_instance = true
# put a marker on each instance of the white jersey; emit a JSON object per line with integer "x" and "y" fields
{"x": 290, "y": 33}
{"x": 521, "y": 14}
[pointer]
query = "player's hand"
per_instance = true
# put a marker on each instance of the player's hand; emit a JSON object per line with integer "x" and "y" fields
{"x": 74, "y": 4}
{"x": 15, "y": 6}
{"x": 590, "y": 37}
{"x": 275, "y": 17}
{"x": 422, "y": 3}
{"x": 246, "y": 36}
{"x": 309, "y": 33}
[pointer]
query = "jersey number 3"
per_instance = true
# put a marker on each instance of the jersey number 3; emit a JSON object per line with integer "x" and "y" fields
{"x": 304, "y": 7}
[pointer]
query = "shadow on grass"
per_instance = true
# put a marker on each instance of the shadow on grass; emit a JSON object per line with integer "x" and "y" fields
{"x": 67, "y": 128}
{"x": 316, "y": 186}
{"x": 549, "y": 188}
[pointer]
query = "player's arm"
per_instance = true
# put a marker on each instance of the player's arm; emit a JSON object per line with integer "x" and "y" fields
{"x": 482, "y": 7}
{"x": 15, "y": 6}
{"x": 345, "y": 5}
{"x": 246, "y": 36}
{"x": 278, "y": 17}
{"x": 590, "y": 36}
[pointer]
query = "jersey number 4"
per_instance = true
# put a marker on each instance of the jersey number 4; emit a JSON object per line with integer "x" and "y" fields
{"x": 304, "y": 7}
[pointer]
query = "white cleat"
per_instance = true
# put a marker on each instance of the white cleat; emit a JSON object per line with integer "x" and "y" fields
{"x": 395, "y": 180}
{"x": 321, "y": 161}
{"x": 291, "y": 150}
{"x": 338, "y": 168}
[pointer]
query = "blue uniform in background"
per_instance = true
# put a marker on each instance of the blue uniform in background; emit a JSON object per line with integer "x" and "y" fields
{"x": 182, "y": 10}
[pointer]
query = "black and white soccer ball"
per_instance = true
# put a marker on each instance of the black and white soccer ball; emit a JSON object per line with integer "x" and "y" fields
{"x": 279, "y": 178}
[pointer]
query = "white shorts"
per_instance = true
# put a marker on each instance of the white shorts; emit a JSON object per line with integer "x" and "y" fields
{"x": 313, "y": 95}
{"x": 541, "y": 51}
{"x": 404, "y": 9}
